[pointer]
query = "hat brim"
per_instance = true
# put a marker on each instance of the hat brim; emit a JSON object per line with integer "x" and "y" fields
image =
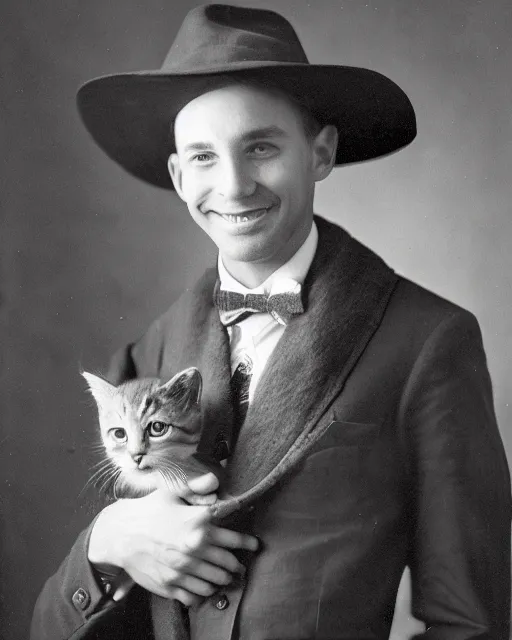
{"x": 130, "y": 115}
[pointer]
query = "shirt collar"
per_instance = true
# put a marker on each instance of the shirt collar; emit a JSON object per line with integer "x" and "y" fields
{"x": 295, "y": 269}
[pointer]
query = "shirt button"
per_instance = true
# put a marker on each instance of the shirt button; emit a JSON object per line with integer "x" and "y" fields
{"x": 81, "y": 599}
{"x": 222, "y": 602}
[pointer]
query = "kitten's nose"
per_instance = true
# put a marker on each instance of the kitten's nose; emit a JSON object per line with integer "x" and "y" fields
{"x": 138, "y": 457}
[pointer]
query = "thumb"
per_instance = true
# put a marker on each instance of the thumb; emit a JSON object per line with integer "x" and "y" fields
{"x": 207, "y": 483}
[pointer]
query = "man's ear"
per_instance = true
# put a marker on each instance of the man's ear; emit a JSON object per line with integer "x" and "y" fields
{"x": 173, "y": 166}
{"x": 324, "y": 148}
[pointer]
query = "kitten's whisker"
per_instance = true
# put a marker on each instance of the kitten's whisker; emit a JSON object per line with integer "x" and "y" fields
{"x": 169, "y": 479}
{"x": 114, "y": 491}
{"x": 164, "y": 477}
{"x": 175, "y": 475}
{"x": 95, "y": 445}
{"x": 161, "y": 472}
{"x": 115, "y": 477}
{"x": 101, "y": 474}
{"x": 98, "y": 449}
{"x": 100, "y": 463}
{"x": 178, "y": 471}
{"x": 106, "y": 465}
{"x": 122, "y": 485}
{"x": 103, "y": 466}
{"x": 112, "y": 478}
{"x": 104, "y": 474}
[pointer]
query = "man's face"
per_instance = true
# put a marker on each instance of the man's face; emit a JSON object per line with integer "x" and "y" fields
{"x": 246, "y": 170}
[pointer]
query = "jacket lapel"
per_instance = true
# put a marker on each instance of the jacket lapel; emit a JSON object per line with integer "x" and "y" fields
{"x": 203, "y": 342}
{"x": 345, "y": 295}
{"x": 346, "y": 292}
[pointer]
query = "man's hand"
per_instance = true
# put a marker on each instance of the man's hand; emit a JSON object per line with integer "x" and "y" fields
{"x": 168, "y": 547}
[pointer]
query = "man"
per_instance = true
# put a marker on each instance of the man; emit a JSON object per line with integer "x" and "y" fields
{"x": 369, "y": 441}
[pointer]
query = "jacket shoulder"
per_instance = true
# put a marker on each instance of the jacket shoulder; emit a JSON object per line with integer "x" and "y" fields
{"x": 410, "y": 303}
{"x": 144, "y": 357}
{"x": 415, "y": 314}
{"x": 424, "y": 307}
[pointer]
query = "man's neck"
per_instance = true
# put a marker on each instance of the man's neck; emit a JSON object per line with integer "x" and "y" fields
{"x": 249, "y": 274}
{"x": 253, "y": 274}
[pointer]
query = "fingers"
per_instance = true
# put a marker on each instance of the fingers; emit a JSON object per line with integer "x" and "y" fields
{"x": 190, "y": 580}
{"x": 199, "y": 547}
{"x": 170, "y": 591}
{"x": 197, "y": 499}
{"x": 232, "y": 539}
{"x": 207, "y": 483}
{"x": 220, "y": 558}
{"x": 216, "y": 566}
{"x": 173, "y": 549}
{"x": 196, "y": 586}
{"x": 185, "y": 597}
{"x": 214, "y": 541}
{"x": 123, "y": 586}
{"x": 196, "y": 577}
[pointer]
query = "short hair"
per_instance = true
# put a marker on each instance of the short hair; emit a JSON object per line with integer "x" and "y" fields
{"x": 310, "y": 123}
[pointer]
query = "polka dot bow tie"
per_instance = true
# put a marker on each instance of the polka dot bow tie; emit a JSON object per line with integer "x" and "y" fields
{"x": 283, "y": 303}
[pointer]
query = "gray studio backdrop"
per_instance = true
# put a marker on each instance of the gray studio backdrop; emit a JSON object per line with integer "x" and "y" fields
{"x": 89, "y": 255}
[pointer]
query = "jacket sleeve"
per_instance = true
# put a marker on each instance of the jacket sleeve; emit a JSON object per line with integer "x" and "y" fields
{"x": 71, "y": 605}
{"x": 461, "y": 507}
{"x": 70, "y": 599}
{"x": 144, "y": 357}
{"x": 122, "y": 366}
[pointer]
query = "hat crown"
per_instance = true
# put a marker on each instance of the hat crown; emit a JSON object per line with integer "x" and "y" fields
{"x": 217, "y": 35}
{"x": 129, "y": 114}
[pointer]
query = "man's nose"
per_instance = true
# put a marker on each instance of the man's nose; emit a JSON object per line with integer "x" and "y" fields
{"x": 236, "y": 179}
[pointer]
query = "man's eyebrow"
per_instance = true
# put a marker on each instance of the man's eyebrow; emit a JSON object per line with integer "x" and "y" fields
{"x": 198, "y": 146}
{"x": 255, "y": 134}
{"x": 264, "y": 132}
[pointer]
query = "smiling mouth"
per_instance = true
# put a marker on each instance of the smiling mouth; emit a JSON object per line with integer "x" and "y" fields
{"x": 246, "y": 216}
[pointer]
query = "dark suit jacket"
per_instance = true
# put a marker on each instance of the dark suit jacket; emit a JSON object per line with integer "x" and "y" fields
{"x": 371, "y": 444}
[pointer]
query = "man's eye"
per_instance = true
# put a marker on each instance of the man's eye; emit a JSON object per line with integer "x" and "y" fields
{"x": 157, "y": 429}
{"x": 118, "y": 434}
{"x": 201, "y": 158}
{"x": 262, "y": 149}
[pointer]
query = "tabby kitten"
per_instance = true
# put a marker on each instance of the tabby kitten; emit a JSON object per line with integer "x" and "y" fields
{"x": 149, "y": 432}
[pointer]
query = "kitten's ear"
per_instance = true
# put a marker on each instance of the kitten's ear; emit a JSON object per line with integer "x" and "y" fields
{"x": 184, "y": 389}
{"x": 101, "y": 390}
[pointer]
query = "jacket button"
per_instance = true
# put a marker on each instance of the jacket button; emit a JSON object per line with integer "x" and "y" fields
{"x": 222, "y": 602}
{"x": 81, "y": 599}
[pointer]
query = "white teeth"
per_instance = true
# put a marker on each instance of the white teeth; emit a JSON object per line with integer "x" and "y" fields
{"x": 237, "y": 219}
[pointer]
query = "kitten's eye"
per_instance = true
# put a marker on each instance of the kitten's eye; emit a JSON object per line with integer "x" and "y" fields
{"x": 157, "y": 429}
{"x": 118, "y": 434}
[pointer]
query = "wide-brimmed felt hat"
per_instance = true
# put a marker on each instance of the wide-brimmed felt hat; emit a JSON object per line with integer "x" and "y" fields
{"x": 130, "y": 115}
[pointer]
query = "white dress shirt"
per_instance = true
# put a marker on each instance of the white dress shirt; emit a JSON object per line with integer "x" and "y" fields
{"x": 256, "y": 336}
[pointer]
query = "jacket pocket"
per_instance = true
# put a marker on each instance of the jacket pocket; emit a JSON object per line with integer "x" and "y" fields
{"x": 346, "y": 436}
{"x": 331, "y": 483}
